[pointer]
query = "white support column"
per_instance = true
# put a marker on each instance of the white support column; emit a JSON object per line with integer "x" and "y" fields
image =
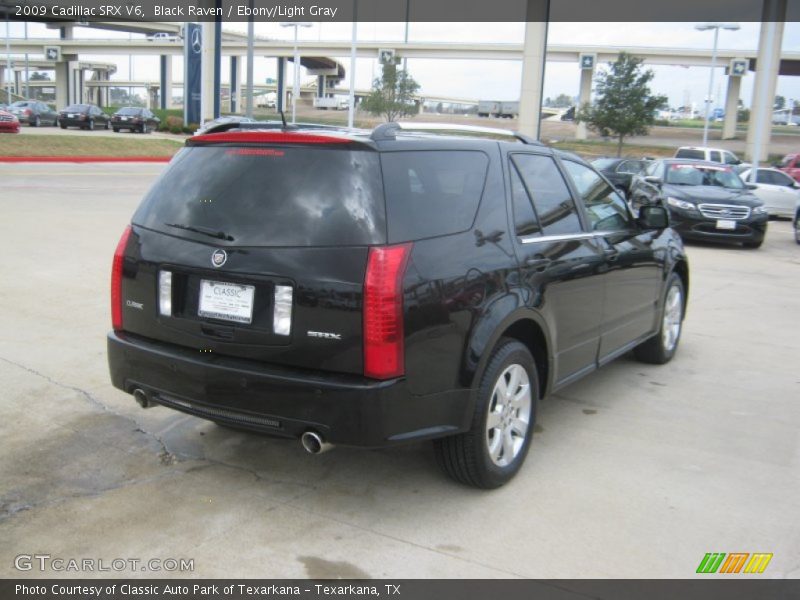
{"x": 731, "y": 108}
{"x": 62, "y": 75}
{"x": 533, "y": 62}
{"x": 207, "y": 72}
{"x": 584, "y": 96}
{"x": 766, "y": 78}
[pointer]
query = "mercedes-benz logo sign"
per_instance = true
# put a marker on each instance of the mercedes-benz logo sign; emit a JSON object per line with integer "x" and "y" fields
{"x": 197, "y": 41}
{"x": 218, "y": 258}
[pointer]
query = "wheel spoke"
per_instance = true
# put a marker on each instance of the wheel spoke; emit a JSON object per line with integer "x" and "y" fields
{"x": 495, "y": 445}
{"x": 519, "y": 427}
{"x": 521, "y": 396}
{"x": 508, "y": 446}
{"x": 513, "y": 383}
{"x": 493, "y": 420}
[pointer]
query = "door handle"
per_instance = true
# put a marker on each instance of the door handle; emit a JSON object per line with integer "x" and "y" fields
{"x": 538, "y": 264}
{"x": 611, "y": 254}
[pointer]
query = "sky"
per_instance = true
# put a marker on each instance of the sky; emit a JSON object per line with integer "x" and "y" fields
{"x": 492, "y": 79}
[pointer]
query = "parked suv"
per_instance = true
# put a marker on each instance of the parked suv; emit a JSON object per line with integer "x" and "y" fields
{"x": 373, "y": 289}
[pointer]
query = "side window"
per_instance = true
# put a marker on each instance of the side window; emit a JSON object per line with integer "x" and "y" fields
{"x": 552, "y": 200}
{"x": 630, "y": 166}
{"x": 782, "y": 179}
{"x": 730, "y": 159}
{"x": 607, "y": 210}
{"x": 714, "y": 156}
{"x": 765, "y": 176}
{"x": 525, "y": 221}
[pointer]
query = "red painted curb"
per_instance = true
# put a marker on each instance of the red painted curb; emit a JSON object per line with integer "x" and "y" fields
{"x": 84, "y": 159}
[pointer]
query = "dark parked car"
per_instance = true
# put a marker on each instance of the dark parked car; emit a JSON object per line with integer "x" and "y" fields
{"x": 371, "y": 290}
{"x": 34, "y": 113}
{"x": 134, "y": 118}
{"x": 620, "y": 170}
{"x": 85, "y": 116}
{"x": 706, "y": 201}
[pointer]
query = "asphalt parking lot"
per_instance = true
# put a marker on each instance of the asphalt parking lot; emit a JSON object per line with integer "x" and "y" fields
{"x": 636, "y": 471}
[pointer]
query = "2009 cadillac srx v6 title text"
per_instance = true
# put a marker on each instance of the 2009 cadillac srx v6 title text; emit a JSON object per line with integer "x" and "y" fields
{"x": 377, "y": 288}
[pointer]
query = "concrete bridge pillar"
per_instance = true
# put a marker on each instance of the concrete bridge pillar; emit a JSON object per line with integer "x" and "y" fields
{"x": 766, "y": 78}
{"x": 584, "y": 97}
{"x": 280, "y": 97}
{"x": 533, "y": 61}
{"x": 731, "y": 108}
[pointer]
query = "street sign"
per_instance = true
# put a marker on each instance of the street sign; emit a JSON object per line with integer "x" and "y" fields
{"x": 587, "y": 61}
{"x": 52, "y": 53}
{"x": 386, "y": 56}
{"x": 738, "y": 67}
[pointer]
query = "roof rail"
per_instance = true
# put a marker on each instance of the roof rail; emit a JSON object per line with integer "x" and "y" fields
{"x": 388, "y": 131}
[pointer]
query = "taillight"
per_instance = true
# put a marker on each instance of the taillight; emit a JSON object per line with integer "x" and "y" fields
{"x": 383, "y": 311}
{"x": 116, "y": 280}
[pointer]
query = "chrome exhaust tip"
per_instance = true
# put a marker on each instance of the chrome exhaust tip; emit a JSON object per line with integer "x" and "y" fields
{"x": 313, "y": 443}
{"x": 141, "y": 398}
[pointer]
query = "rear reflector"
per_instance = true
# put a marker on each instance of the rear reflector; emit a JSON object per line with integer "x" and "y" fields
{"x": 282, "y": 315}
{"x": 165, "y": 293}
{"x": 116, "y": 279}
{"x": 383, "y": 311}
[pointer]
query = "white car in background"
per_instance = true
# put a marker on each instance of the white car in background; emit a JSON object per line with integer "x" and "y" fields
{"x": 777, "y": 190}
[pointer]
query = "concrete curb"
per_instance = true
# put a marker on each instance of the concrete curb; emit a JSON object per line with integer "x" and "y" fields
{"x": 84, "y": 159}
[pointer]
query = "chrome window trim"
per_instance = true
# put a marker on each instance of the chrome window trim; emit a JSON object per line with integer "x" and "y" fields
{"x": 565, "y": 237}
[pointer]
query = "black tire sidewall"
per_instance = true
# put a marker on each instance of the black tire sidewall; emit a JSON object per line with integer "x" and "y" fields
{"x": 507, "y": 353}
{"x": 673, "y": 279}
{"x": 90, "y": 126}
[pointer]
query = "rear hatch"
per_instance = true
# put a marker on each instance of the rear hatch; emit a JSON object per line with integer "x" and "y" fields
{"x": 255, "y": 245}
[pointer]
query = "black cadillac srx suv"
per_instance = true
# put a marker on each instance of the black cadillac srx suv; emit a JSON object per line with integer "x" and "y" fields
{"x": 378, "y": 288}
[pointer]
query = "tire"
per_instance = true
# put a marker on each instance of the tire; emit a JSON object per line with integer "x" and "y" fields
{"x": 753, "y": 245}
{"x": 144, "y": 128}
{"x": 90, "y": 127}
{"x": 660, "y": 348}
{"x": 116, "y": 130}
{"x": 62, "y": 126}
{"x": 37, "y": 121}
{"x": 482, "y": 457}
{"x": 797, "y": 227}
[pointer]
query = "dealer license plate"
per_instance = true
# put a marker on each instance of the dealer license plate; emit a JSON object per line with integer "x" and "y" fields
{"x": 226, "y": 301}
{"x": 124, "y": 118}
{"x": 72, "y": 115}
{"x": 726, "y": 224}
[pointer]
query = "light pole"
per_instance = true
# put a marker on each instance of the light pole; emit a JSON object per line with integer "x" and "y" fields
{"x": 296, "y": 88}
{"x": 716, "y": 27}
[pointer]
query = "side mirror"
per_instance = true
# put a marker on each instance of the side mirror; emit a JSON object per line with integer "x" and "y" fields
{"x": 653, "y": 217}
{"x": 652, "y": 179}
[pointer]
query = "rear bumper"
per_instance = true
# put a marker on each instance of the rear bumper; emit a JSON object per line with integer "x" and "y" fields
{"x": 345, "y": 409}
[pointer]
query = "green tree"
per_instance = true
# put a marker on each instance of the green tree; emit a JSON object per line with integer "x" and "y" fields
{"x": 780, "y": 102}
{"x": 624, "y": 105}
{"x": 563, "y": 101}
{"x": 392, "y": 94}
{"x": 37, "y": 76}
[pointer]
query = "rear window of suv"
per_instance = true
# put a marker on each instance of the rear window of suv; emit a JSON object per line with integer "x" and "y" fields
{"x": 689, "y": 153}
{"x": 258, "y": 196}
{"x": 431, "y": 193}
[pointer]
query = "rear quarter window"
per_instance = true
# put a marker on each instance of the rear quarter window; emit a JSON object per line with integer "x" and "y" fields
{"x": 689, "y": 153}
{"x": 432, "y": 193}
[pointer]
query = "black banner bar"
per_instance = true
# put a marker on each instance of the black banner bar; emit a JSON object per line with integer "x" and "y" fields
{"x": 734, "y": 588}
{"x": 596, "y": 11}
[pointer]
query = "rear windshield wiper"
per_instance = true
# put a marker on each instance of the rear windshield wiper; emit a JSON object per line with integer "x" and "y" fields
{"x": 220, "y": 235}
